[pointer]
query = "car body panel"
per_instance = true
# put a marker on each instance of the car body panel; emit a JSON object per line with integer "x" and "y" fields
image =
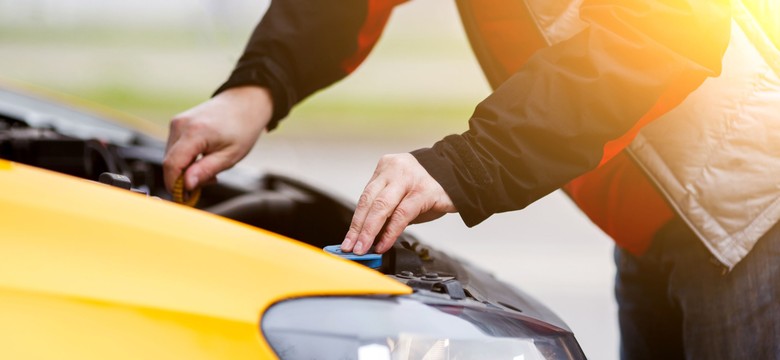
{"x": 94, "y": 271}
{"x": 91, "y": 271}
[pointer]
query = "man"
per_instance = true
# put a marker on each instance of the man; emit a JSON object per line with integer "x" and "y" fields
{"x": 691, "y": 199}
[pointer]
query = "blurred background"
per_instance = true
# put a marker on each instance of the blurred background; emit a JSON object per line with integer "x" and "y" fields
{"x": 153, "y": 59}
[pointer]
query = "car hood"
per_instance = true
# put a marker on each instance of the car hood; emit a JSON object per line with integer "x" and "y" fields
{"x": 69, "y": 242}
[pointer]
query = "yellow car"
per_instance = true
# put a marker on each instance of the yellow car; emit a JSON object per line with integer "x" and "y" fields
{"x": 111, "y": 270}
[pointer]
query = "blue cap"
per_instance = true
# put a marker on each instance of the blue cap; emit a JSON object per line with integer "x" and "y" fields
{"x": 371, "y": 260}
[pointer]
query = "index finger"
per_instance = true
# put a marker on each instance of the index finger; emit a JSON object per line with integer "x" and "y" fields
{"x": 373, "y": 187}
{"x": 177, "y": 157}
{"x": 379, "y": 211}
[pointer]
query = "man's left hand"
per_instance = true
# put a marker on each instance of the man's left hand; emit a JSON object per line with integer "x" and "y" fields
{"x": 401, "y": 192}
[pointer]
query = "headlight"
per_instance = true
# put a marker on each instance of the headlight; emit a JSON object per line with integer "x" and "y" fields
{"x": 407, "y": 328}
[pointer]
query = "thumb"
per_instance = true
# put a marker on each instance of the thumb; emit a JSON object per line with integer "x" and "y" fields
{"x": 205, "y": 170}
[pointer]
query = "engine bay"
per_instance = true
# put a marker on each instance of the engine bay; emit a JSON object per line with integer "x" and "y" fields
{"x": 44, "y": 135}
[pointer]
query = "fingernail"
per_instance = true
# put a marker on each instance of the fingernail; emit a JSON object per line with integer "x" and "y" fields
{"x": 379, "y": 249}
{"x": 346, "y": 244}
{"x": 358, "y": 249}
{"x": 192, "y": 182}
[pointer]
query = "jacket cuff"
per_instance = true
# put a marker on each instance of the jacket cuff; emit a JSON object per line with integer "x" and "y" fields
{"x": 259, "y": 74}
{"x": 459, "y": 185}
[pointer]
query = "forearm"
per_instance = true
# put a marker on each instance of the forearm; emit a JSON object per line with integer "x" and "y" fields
{"x": 549, "y": 122}
{"x": 301, "y": 46}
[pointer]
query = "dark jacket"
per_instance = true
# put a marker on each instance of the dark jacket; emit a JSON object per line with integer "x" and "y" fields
{"x": 555, "y": 106}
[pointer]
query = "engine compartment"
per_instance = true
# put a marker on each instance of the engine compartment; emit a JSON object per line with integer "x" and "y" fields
{"x": 273, "y": 202}
{"x": 46, "y": 135}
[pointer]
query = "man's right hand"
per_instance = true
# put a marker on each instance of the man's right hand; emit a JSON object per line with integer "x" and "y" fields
{"x": 222, "y": 130}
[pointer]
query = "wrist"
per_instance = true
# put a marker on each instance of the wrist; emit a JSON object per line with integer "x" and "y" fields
{"x": 257, "y": 101}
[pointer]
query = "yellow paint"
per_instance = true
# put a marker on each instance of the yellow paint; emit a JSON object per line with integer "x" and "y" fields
{"x": 88, "y": 271}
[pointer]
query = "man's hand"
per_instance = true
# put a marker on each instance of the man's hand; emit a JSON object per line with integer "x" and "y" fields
{"x": 222, "y": 129}
{"x": 401, "y": 192}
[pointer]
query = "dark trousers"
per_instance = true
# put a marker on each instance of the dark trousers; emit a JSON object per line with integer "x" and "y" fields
{"x": 677, "y": 302}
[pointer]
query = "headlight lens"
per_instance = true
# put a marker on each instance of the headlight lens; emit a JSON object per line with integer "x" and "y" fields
{"x": 404, "y": 328}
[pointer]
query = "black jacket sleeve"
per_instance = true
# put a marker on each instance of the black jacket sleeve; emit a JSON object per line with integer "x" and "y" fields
{"x": 549, "y": 122}
{"x": 301, "y": 46}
